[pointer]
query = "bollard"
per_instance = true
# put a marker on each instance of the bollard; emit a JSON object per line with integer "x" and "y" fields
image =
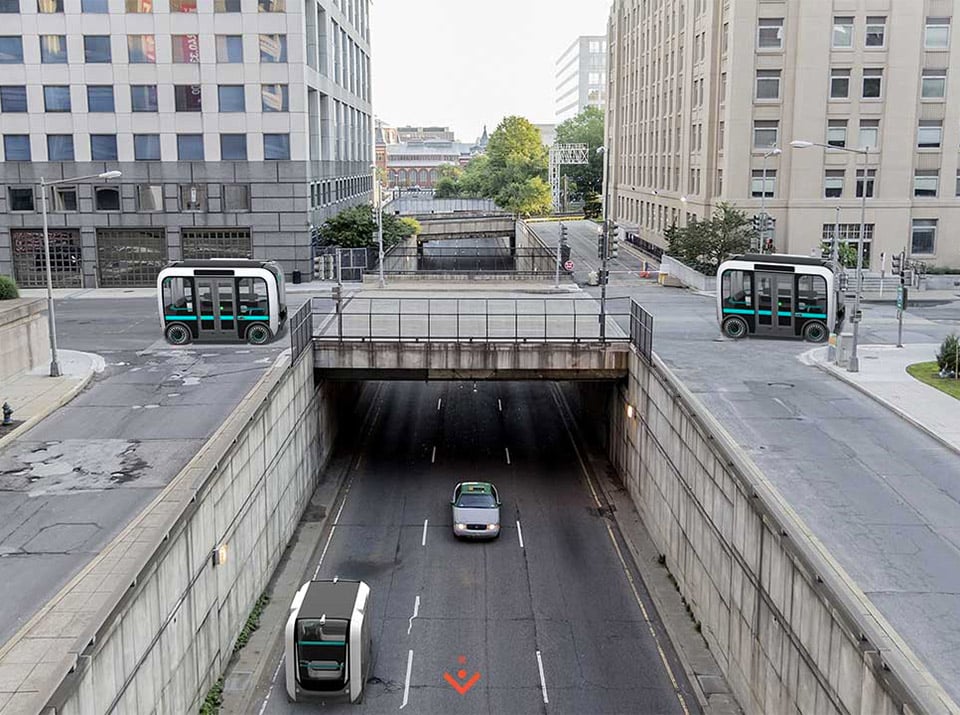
{"x": 7, "y": 415}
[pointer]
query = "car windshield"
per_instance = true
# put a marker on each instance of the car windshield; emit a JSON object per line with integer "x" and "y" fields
{"x": 484, "y": 501}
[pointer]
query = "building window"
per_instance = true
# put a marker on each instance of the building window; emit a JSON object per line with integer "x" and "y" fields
{"x": 837, "y": 133}
{"x": 274, "y": 98}
{"x": 231, "y": 98}
{"x": 233, "y": 147}
{"x": 926, "y": 183}
{"x": 229, "y": 49}
{"x": 49, "y": 6}
{"x": 96, "y": 49}
{"x": 933, "y": 85}
{"x": 21, "y": 198}
{"x": 11, "y": 50}
{"x": 833, "y": 183}
{"x": 9, "y": 7}
{"x": 95, "y": 7}
{"x": 186, "y": 49}
{"x": 876, "y": 32}
{"x": 143, "y": 97}
{"x": 757, "y": 188}
{"x": 190, "y": 147}
{"x": 146, "y": 147}
{"x": 273, "y": 48}
{"x": 60, "y": 147}
{"x": 272, "y": 5}
{"x": 765, "y": 134}
{"x": 142, "y": 49}
{"x": 276, "y": 147}
{"x": 192, "y": 197}
{"x": 16, "y": 147}
{"x": 103, "y": 147}
{"x": 872, "y": 82}
{"x": 106, "y": 198}
{"x": 871, "y": 178}
{"x": 139, "y": 6}
{"x": 53, "y": 49}
{"x": 929, "y": 134}
{"x": 56, "y": 98}
{"x": 768, "y": 84}
{"x": 183, "y": 5}
{"x": 936, "y": 35}
{"x": 226, "y": 5}
{"x": 839, "y": 83}
{"x": 100, "y": 98}
{"x": 924, "y": 236}
{"x": 149, "y": 198}
{"x": 869, "y": 133}
{"x": 843, "y": 32}
{"x": 130, "y": 256}
{"x": 13, "y": 98}
{"x": 187, "y": 97}
{"x": 236, "y": 197}
{"x": 770, "y": 33}
{"x": 63, "y": 198}
{"x": 216, "y": 243}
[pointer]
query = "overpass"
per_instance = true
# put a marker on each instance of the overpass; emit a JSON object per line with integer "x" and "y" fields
{"x": 440, "y": 227}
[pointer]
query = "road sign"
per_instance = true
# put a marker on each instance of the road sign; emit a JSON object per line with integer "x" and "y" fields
{"x": 568, "y": 266}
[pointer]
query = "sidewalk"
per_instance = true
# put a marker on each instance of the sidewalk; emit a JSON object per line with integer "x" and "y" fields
{"x": 34, "y": 395}
{"x": 883, "y": 376}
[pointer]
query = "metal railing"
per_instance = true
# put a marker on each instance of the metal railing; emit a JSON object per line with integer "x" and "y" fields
{"x": 507, "y": 320}
{"x": 641, "y": 330}
{"x": 408, "y": 260}
{"x": 301, "y": 330}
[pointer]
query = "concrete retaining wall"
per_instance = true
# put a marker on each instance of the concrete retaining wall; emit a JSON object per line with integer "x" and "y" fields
{"x": 171, "y": 636}
{"x": 790, "y": 630}
{"x": 686, "y": 275}
{"x": 24, "y": 336}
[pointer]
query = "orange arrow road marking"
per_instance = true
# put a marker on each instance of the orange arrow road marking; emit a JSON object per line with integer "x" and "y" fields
{"x": 462, "y": 689}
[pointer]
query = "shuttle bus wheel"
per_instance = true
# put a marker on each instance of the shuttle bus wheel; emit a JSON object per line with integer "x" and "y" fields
{"x": 258, "y": 334}
{"x": 178, "y": 334}
{"x": 815, "y": 332}
{"x": 735, "y": 327}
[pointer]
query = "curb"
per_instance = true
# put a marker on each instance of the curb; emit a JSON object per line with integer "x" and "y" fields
{"x": 889, "y": 405}
{"x": 64, "y": 399}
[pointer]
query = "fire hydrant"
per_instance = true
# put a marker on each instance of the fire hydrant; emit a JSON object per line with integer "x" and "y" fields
{"x": 7, "y": 414}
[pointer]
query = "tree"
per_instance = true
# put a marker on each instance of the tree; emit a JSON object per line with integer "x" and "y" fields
{"x": 592, "y": 205}
{"x": 530, "y": 198}
{"x": 514, "y": 169}
{"x": 356, "y": 227}
{"x": 474, "y": 181}
{"x": 585, "y": 128}
{"x": 948, "y": 358}
{"x": 704, "y": 245}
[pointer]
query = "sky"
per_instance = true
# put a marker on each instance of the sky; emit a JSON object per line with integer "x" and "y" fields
{"x": 466, "y": 63}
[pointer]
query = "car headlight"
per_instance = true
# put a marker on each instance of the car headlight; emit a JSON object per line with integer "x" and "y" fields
{"x": 492, "y": 527}
{"x": 458, "y": 525}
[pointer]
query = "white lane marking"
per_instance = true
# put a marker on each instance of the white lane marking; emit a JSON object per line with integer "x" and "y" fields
{"x": 439, "y": 402}
{"x": 543, "y": 682}
{"x": 423, "y": 541}
{"x": 781, "y": 403}
{"x": 507, "y": 450}
{"x": 433, "y": 456}
{"x": 336, "y": 520}
{"x": 520, "y": 533}
{"x": 273, "y": 681}
{"x": 406, "y": 683}
{"x": 499, "y": 405}
{"x": 416, "y": 612}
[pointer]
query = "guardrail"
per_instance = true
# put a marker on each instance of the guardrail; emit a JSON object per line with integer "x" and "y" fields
{"x": 507, "y": 320}
{"x": 407, "y": 260}
{"x": 301, "y": 330}
{"x": 641, "y": 331}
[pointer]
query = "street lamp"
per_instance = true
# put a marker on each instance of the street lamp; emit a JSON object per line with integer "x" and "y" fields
{"x": 853, "y": 365}
{"x": 773, "y": 151}
{"x": 54, "y": 364}
{"x": 605, "y": 243}
{"x": 379, "y": 201}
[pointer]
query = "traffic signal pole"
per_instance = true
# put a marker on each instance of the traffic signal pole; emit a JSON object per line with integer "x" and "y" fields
{"x": 603, "y": 280}
{"x": 556, "y": 282}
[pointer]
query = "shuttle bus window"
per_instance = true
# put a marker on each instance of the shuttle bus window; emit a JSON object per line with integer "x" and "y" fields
{"x": 812, "y": 296}
{"x": 254, "y": 300}
{"x": 178, "y": 296}
{"x": 737, "y": 289}
{"x": 322, "y": 652}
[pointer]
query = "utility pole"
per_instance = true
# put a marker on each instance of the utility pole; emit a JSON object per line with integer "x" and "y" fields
{"x": 853, "y": 365}
{"x": 556, "y": 281}
{"x": 605, "y": 247}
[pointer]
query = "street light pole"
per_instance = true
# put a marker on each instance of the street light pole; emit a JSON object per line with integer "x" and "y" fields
{"x": 605, "y": 243}
{"x": 854, "y": 363}
{"x": 379, "y": 200}
{"x": 774, "y": 151}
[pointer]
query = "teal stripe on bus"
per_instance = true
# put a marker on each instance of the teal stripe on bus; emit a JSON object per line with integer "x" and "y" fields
{"x": 321, "y": 642}
{"x": 744, "y": 311}
{"x": 180, "y": 317}
{"x": 254, "y": 317}
{"x": 811, "y": 315}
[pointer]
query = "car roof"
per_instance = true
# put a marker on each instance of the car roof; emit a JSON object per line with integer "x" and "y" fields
{"x": 476, "y": 488}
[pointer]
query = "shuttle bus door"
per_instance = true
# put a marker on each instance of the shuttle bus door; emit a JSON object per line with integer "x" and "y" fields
{"x": 217, "y": 304}
{"x": 775, "y": 299}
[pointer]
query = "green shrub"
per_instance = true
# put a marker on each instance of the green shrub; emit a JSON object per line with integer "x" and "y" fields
{"x": 949, "y": 351}
{"x": 8, "y": 288}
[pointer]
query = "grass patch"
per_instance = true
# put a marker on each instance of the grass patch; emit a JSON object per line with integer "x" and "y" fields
{"x": 253, "y": 622}
{"x": 213, "y": 701}
{"x": 928, "y": 373}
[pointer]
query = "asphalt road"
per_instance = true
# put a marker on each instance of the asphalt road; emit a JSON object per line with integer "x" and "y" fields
{"x": 582, "y": 238}
{"x": 489, "y": 608}
{"x": 71, "y": 483}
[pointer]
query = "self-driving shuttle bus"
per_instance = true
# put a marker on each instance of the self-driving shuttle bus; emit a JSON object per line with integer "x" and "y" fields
{"x": 327, "y": 641}
{"x": 221, "y": 299}
{"x": 778, "y": 295}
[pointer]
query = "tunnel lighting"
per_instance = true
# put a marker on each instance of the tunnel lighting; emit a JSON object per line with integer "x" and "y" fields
{"x": 220, "y": 555}
{"x": 630, "y": 411}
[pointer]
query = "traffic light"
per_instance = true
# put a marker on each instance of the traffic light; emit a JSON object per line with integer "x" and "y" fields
{"x": 756, "y": 223}
{"x": 614, "y": 233}
{"x": 564, "y": 246}
{"x": 896, "y": 264}
{"x": 601, "y": 238}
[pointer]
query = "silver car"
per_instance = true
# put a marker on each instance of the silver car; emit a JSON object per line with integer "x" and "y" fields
{"x": 476, "y": 510}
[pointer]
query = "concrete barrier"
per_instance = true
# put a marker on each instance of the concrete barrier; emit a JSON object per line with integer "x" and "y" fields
{"x": 24, "y": 335}
{"x": 686, "y": 275}
{"x": 790, "y": 630}
{"x": 210, "y": 542}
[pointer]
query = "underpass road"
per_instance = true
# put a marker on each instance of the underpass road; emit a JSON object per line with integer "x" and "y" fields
{"x": 491, "y": 607}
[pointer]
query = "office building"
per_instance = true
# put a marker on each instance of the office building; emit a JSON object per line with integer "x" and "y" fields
{"x": 581, "y": 77}
{"x": 702, "y": 94}
{"x": 238, "y": 125}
